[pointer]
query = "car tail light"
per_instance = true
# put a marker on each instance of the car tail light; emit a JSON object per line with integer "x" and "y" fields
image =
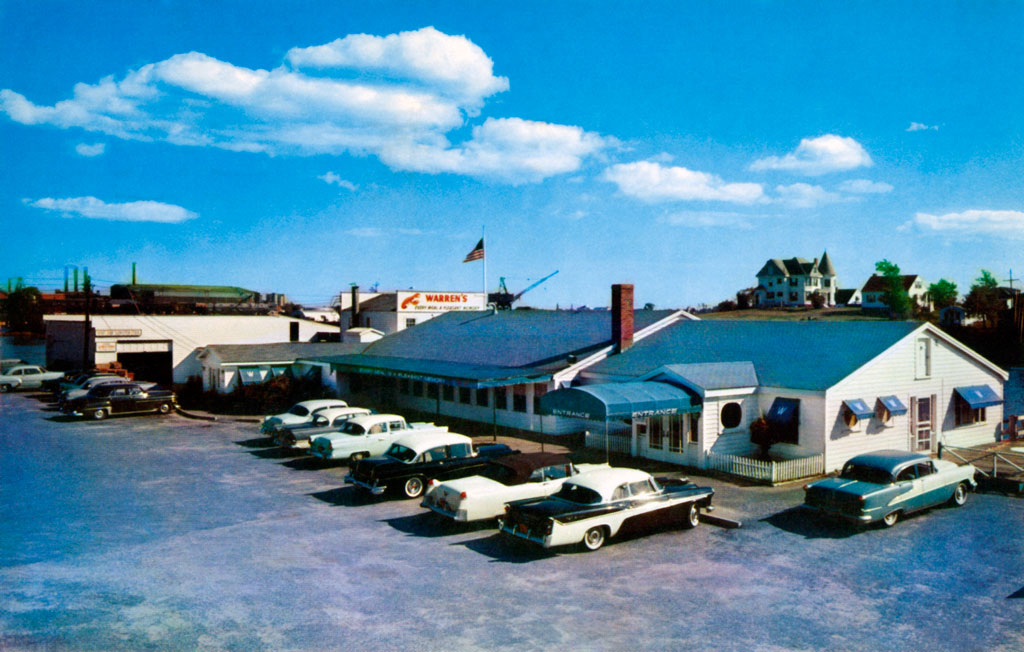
{"x": 508, "y": 508}
{"x": 550, "y": 525}
{"x": 862, "y": 499}
{"x": 431, "y": 483}
{"x": 806, "y": 487}
{"x": 462, "y": 495}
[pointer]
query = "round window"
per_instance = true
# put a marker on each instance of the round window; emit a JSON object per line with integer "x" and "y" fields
{"x": 732, "y": 414}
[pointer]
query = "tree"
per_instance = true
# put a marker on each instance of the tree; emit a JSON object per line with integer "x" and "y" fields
{"x": 895, "y": 295}
{"x": 943, "y": 293}
{"x": 817, "y": 300}
{"x": 25, "y": 311}
{"x": 983, "y": 299}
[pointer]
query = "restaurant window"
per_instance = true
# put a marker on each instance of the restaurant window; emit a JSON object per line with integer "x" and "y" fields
{"x": 355, "y": 383}
{"x": 403, "y": 385}
{"x": 417, "y": 388}
{"x": 500, "y": 400}
{"x": 539, "y": 389}
{"x": 465, "y": 395}
{"x": 675, "y": 433}
{"x": 409, "y": 323}
{"x": 481, "y": 397}
{"x": 432, "y": 390}
{"x": 694, "y": 427}
{"x": 656, "y": 434}
{"x": 519, "y": 398}
{"x": 448, "y": 393}
{"x": 965, "y": 414}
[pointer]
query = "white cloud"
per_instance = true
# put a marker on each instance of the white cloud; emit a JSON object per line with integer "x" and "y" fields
{"x": 136, "y": 211}
{"x": 917, "y": 126}
{"x": 395, "y": 97}
{"x": 804, "y": 195}
{"x": 653, "y": 182}
{"x": 332, "y": 178}
{"x": 815, "y": 156}
{"x": 1006, "y": 224}
{"x": 96, "y": 149}
{"x": 865, "y": 187}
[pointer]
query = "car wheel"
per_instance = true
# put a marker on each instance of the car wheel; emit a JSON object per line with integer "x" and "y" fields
{"x": 5, "y": 388}
{"x": 693, "y": 516}
{"x": 99, "y": 414}
{"x": 959, "y": 495}
{"x": 164, "y": 408}
{"x": 594, "y": 539}
{"x": 890, "y": 519}
{"x": 413, "y": 487}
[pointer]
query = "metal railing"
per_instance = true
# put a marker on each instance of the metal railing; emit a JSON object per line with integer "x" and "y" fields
{"x": 767, "y": 470}
{"x": 983, "y": 459}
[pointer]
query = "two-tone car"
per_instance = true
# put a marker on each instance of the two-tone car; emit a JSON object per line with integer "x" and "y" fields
{"x": 413, "y": 460}
{"x": 26, "y": 376}
{"x": 596, "y": 506}
{"x": 103, "y": 401}
{"x": 325, "y": 421}
{"x": 301, "y": 412}
{"x": 885, "y": 485}
{"x": 503, "y": 480}
{"x": 367, "y": 436}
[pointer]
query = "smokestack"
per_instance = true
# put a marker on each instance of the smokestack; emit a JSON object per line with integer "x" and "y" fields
{"x": 355, "y": 307}
{"x": 133, "y": 273}
{"x": 622, "y": 316}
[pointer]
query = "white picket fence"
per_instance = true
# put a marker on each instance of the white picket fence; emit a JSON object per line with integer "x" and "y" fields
{"x": 617, "y": 443}
{"x": 767, "y": 471}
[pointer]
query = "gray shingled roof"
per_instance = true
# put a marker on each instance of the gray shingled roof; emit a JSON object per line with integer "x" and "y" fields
{"x": 799, "y": 355}
{"x": 282, "y": 351}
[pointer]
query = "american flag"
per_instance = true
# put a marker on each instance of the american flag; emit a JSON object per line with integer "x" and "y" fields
{"x": 477, "y": 253}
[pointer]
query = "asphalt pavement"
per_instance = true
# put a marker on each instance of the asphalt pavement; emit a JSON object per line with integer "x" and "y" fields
{"x": 165, "y": 533}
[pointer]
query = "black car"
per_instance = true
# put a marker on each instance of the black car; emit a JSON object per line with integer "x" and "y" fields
{"x": 413, "y": 460}
{"x": 103, "y": 401}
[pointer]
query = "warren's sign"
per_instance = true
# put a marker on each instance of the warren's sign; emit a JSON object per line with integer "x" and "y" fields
{"x": 409, "y": 301}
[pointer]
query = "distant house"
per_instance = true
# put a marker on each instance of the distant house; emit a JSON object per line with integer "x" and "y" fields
{"x": 873, "y": 292}
{"x": 226, "y": 366}
{"x": 792, "y": 281}
{"x": 848, "y": 297}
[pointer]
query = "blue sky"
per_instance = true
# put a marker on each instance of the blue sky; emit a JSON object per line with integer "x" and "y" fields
{"x": 301, "y": 147}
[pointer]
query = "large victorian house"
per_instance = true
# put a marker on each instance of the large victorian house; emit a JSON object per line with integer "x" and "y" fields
{"x": 792, "y": 282}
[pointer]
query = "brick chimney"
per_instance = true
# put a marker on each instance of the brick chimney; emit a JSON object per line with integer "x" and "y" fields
{"x": 622, "y": 316}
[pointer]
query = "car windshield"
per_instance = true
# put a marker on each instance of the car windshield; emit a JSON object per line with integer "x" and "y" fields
{"x": 499, "y": 473}
{"x": 353, "y": 428}
{"x": 299, "y": 411}
{"x": 864, "y": 473}
{"x": 576, "y": 494}
{"x": 401, "y": 453}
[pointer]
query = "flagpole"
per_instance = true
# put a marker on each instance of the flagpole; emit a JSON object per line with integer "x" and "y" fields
{"x": 483, "y": 238}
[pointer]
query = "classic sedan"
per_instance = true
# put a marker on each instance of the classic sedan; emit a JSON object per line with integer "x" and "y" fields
{"x": 414, "y": 459}
{"x": 885, "y": 485}
{"x": 503, "y": 480}
{"x": 103, "y": 401}
{"x": 324, "y": 421}
{"x": 301, "y": 412}
{"x": 598, "y": 505}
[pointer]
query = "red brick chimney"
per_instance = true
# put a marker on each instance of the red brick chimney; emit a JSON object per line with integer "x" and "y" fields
{"x": 622, "y": 316}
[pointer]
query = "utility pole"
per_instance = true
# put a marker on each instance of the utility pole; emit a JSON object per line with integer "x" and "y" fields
{"x": 86, "y": 327}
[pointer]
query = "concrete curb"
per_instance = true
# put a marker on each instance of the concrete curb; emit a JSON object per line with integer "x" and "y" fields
{"x": 190, "y": 415}
{"x": 720, "y": 521}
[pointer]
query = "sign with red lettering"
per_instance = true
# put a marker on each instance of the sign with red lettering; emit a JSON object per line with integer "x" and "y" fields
{"x": 409, "y": 301}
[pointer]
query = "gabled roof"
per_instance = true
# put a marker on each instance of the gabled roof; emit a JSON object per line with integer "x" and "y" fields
{"x": 877, "y": 283}
{"x": 386, "y": 302}
{"x": 790, "y": 267}
{"x": 281, "y": 351}
{"x": 843, "y": 296}
{"x": 708, "y": 376}
{"x": 813, "y": 355}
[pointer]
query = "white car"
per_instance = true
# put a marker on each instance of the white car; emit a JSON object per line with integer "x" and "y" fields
{"x": 299, "y": 413}
{"x": 596, "y": 506}
{"x": 367, "y": 436}
{"x": 324, "y": 421}
{"x": 506, "y": 479}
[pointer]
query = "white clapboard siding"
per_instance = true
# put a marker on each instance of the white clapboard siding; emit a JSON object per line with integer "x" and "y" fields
{"x": 730, "y": 441}
{"x": 895, "y": 373}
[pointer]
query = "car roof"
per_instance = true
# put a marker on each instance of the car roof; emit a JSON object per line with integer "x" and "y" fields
{"x": 888, "y": 460}
{"x": 425, "y": 441}
{"x": 330, "y": 413}
{"x": 364, "y": 419}
{"x": 321, "y": 402}
{"x": 605, "y": 481}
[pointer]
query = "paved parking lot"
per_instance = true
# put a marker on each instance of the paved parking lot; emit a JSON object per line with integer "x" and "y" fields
{"x": 174, "y": 534}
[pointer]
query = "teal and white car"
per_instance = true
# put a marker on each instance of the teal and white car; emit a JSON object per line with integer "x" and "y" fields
{"x": 885, "y": 485}
{"x": 299, "y": 413}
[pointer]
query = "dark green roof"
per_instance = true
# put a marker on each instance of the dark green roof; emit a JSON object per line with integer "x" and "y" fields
{"x": 436, "y": 371}
{"x": 282, "y": 351}
{"x": 812, "y": 355}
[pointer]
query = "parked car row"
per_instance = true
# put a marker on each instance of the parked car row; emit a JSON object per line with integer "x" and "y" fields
{"x": 99, "y": 395}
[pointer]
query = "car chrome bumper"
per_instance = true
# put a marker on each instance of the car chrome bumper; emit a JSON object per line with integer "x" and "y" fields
{"x": 835, "y": 513}
{"x": 544, "y": 541}
{"x": 372, "y": 488}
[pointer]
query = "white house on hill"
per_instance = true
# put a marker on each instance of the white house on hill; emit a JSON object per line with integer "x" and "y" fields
{"x": 792, "y": 281}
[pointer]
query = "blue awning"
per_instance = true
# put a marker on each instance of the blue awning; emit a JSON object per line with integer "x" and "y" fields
{"x": 893, "y": 404}
{"x": 619, "y": 401}
{"x": 859, "y": 408}
{"x": 978, "y": 396}
{"x": 250, "y": 375}
{"x": 784, "y": 412}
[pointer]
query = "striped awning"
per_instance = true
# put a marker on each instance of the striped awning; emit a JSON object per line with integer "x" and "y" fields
{"x": 619, "y": 401}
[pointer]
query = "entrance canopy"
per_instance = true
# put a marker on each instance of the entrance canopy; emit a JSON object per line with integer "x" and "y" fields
{"x": 619, "y": 401}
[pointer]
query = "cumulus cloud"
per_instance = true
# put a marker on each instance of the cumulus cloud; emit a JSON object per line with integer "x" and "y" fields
{"x": 1002, "y": 223}
{"x": 96, "y": 149}
{"x": 331, "y": 178}
{"x": 136, "y": 211}
{"x": 653, "y": 182}
{"x": 917, "y": 126}
{"x": 804, "y": 195}
{"x": 816, "y": 156}
{"x": 395, "y": 97}
{"x": 865, "y": 187}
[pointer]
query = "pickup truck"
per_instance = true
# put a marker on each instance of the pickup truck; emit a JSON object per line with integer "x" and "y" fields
{"x": 30, "y": 376}
{"x": 367, "y": 436}
{"x": 325, "y": 421}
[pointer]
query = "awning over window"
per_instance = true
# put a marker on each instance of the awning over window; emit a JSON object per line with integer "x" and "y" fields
{"x": 784, "y": 412}
{"x": 278, "y": 371}
{"x": 859, "y": 408}
{"x": 893, "y": 404}
{"x": 978, "y": 396}
{"x": 619, "y": 401}
{"x": 250, "y": 375}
